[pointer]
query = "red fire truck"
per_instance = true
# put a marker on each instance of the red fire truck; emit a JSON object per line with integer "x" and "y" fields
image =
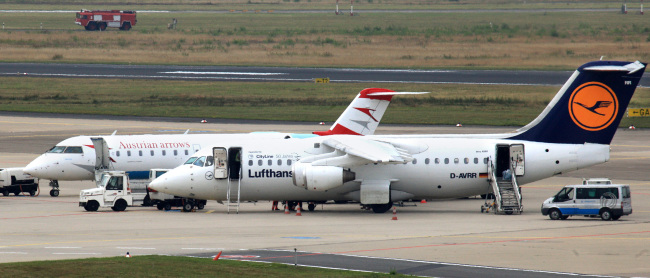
{"x": 99, "y": 20}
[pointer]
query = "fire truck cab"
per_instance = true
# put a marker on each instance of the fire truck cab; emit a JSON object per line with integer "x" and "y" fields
{"x": 99, "y": 20}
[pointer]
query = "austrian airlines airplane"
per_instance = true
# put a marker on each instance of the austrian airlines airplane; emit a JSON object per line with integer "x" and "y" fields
{"x": 573, "y": 132}
{"x": 75, "y": 158}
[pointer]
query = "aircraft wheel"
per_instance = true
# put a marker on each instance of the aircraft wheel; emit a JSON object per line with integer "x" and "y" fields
{"x": 92, "y": 206}
{"x": 147, "y": 201}
{"x": 311, "y": 207}
{"x": 555, "y": 214}
{"x": 200, "y": 205}
{"x": 381, "y": 208}
{"x": 54, "y": 193}
{"x": 606, "y": 215}
{"x": 120, "y": 205}
{"x": 188, "y": 206}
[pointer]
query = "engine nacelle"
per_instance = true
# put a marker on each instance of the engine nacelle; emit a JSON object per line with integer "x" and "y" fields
{"x": 320, "y": 178}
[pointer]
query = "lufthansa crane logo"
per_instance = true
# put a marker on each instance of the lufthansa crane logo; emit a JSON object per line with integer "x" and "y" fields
{"x": 593, "y": 106}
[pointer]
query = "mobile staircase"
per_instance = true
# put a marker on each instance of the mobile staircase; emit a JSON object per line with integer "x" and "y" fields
{"x": 233, "y": 195}
{"x": 507, "y": 197}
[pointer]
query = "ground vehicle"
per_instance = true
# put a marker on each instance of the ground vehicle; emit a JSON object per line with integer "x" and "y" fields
{"x": 167, "y": 201}
{"x": 592, "y": 198}
{"x": 99, "y": 20}
{"x": 14, "y": 180}
{"x": 113, "y": 191}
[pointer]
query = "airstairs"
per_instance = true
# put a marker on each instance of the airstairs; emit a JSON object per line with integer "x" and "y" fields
{"x": 233, "y": 195}
{"x": 507, "y": 197}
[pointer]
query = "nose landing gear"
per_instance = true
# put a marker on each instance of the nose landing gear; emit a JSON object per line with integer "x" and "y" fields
{"x": 55, "y": 188}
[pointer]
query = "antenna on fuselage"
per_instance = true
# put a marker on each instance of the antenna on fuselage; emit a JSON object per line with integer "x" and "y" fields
{"x": 187, "y": 131}
{"x": 114, "y": 132}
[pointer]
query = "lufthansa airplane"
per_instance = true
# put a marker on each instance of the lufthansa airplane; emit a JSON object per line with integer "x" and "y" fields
{"x": 574, "y": 131}
{"x": 76, "y": 158}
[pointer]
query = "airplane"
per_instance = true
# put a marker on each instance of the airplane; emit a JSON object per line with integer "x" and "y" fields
{"x": 381, "y": 169}
{"x": 75, "y": 158}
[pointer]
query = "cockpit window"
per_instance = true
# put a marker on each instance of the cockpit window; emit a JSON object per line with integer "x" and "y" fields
{"x": 209, "y": 161}
{"x": 200, "y": 161}
{"x": 191, "y": 160}
{"x": 57, "y": 149}
{"x": 73, "y": 150}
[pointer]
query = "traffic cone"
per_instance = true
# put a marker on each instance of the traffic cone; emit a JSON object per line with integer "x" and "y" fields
{"x": 275, "y": 205}
{"x": 286, "y": 208}
{"x": 298, "y": 211}
{"x": 128, "y": 255}
{"x": 217, "y": 256}
{"x": 423, "y": 201}
{"x": 394, "y": 213}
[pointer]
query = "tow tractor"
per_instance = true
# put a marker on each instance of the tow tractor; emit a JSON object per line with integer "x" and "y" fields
{"x": 113, "y": 191}
{"x": 14, "y": 180}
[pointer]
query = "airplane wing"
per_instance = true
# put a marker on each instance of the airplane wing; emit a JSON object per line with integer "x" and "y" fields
{"x": 349, "y": 151}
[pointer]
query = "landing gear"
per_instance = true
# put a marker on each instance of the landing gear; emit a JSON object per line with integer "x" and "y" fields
{"x": 381, "y": 208}
{"x": 311, "y": 206}
{"x": 188, "y": 206}
{"x": 55, "y": 188}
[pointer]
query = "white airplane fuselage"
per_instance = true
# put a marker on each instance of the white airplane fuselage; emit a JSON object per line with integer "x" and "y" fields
{"x": 449, "y": 167}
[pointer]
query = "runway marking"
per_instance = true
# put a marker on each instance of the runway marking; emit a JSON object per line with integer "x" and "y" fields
{"x": 210, "y": 211}
{"x": 225, "y": 72}
{"x": 136, "y": 248}
{"x": 62, "y": 247}
{"x": 205, "y": 249}
{"x": 76, "y": 253}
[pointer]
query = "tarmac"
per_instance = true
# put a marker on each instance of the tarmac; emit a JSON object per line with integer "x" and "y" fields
{"x": 448, "y": 232}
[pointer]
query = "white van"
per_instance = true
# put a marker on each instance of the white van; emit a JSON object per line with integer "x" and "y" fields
{"x": 609, "y": 201}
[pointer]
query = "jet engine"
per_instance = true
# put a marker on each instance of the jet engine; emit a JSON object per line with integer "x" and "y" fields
{"x": 320, "y": 178}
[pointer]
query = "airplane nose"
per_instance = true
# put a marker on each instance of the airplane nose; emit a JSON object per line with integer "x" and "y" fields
{"x": 173, "y": 182}
{"x": 35, "y": 168}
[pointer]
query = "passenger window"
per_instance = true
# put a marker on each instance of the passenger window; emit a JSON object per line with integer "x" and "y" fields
{"x": 152, "y": 153}
{"x": 279, "y": 162}
{"x": 289, "y": 162}
{"x": 455, "y": 160}
{"x": 426, "y": 161}
{"x": 259, "y": 162}
{"x": 128, "y": 153}
{"x": 476, "y": 160}
{"x": 564, "y": 195}
{"x": 140, "y": 152}
{"x": 270, "y": 162}
{"x": 73, "y": 150}
{"x": 175, "y": 152}
{"x": 485, "y": 160}
{"x": 415, "y": 161}
{"x": 117, "y": 153}
{"x": 437, "y": 160}
{"x": 446, "y": 160}
{"x": 186, "y": 152}
{"x": 164, "y": 152}
{"x": 250, "y": 163}
{"x": 466, "y": 160}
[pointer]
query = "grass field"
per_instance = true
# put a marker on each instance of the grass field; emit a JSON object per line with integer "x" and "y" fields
{"x": 164, "y": 266}
{"x": 446, "y": 104}
{"x": 486, "y": 40}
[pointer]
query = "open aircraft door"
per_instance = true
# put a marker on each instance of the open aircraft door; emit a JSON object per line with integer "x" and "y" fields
{"x": 510, "y": 157}
{"x": 102, "y": 157}
{"x": 220, "y": 162}
{"x": 517, "y": 159}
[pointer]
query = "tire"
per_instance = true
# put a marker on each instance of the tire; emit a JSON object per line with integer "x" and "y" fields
{"x": 167, "y": 206}
{"x": 17, "y": 193}
{"x": 120, "y": 205}
{"x": 200, "y": 205}
{"x": 92, "y": 206}
{"x": 311, "y": 207}
{"x": 160, "y": 206}
{"x": 606, "y": 215}
{"x": 92, "y": 26}
{"x": 188, "y": 206}
{"x": 102, "y": 26}
{"x": 564, "y": 217}
{"x": 32, "y": 193}
{"x": 54, "y": 193}
{"x": 616, "y": 217}
{"x": 382, "y": 208}
{"x": 126, "y": 26}
{"x": 5, "y": 192}
{"x": 555, "y": 214}
{"x": 509, "y": 212}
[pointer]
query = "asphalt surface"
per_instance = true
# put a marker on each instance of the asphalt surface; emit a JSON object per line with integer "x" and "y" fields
{"x": 443, "y": 238}
{"x": 286, "y": 74}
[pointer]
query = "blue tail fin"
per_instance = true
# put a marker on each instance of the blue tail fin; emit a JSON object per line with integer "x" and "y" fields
{"x": 589, "y": 107}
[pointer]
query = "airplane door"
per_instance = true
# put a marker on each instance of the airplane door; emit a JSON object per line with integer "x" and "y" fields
{"x": 220, "y": 162}
{"x": 102, "y": 155}
{"x": 517, "y": 159}
{"x": 234, "y": 161}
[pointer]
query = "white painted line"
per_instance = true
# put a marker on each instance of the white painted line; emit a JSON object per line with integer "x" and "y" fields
{"x": 62, "y": 247}
{"x": 13, "y": 253}
{"x": 207, "y": 249}
{"x": 225, "y": 72}
{"x": 137, "y": 248}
